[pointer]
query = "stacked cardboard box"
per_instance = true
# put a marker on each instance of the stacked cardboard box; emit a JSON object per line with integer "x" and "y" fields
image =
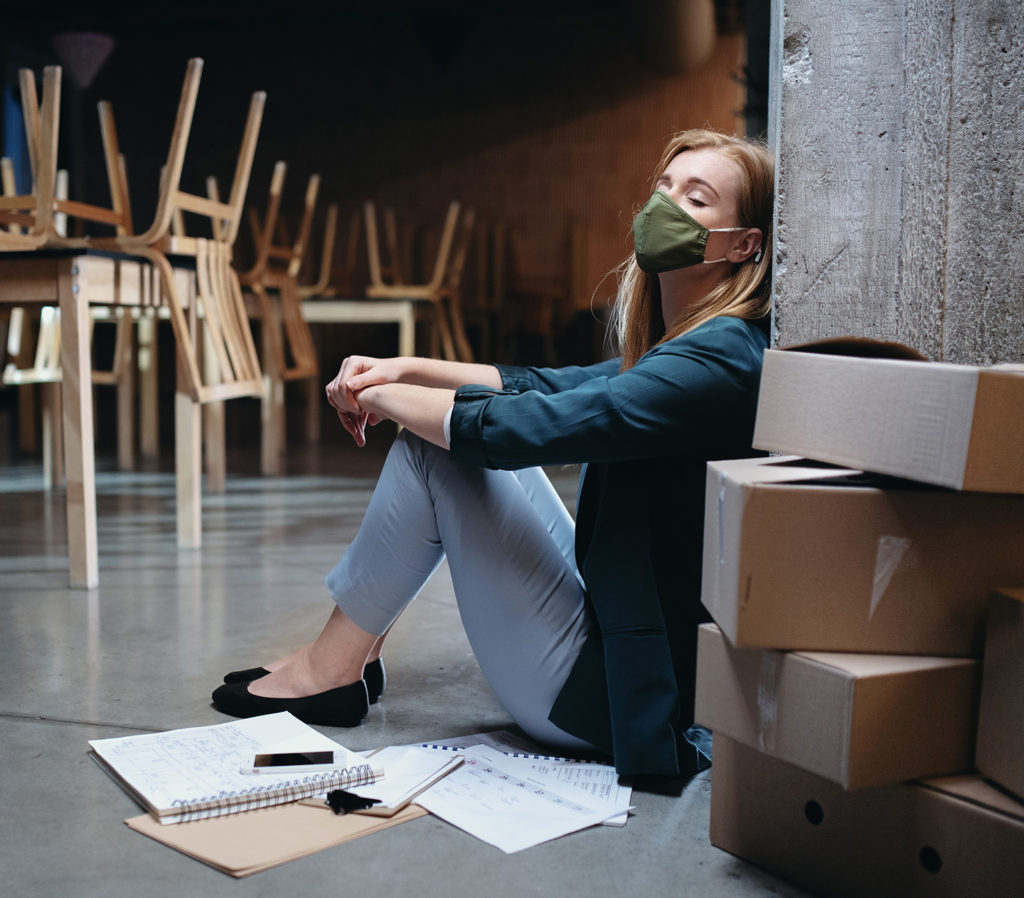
{"x": 1000, "y": 754}
{"x": 843, "y": 672}
{"x": 953, "y": 836}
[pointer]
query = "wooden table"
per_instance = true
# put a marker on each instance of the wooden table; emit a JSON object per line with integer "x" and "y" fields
{"x": 73, "y": 280}
{"x": 367, "y": 311}
{"x": 401, "y": 312}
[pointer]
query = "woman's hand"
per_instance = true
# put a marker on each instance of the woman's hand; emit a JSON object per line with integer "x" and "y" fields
{"x": 415, "y": 409}
{"x": 357, "y": 373}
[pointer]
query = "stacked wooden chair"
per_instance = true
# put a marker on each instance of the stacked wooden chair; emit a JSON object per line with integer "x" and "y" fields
{"x": 440, "y": 295}
{"x": 485, "y": 312}
{"x": 335, "y": 277}
{"x": 289, "y": 353}
{"x": 194, "y": 278}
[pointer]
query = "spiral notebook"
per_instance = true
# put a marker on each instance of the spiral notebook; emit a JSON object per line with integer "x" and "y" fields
{"x": 193, "y": 774}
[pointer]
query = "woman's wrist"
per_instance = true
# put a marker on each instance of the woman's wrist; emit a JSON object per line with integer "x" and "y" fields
{"x": 420, "y": 409}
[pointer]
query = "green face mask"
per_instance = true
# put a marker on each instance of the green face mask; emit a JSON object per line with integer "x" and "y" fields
{"x": 665, "y": 237}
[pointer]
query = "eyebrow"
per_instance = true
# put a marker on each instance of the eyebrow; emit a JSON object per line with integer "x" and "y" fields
{"x": 701, "y": 181}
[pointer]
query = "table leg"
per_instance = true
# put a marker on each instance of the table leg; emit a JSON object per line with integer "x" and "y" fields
{"x": 314, "y": 398}
{"x": 79, "y": 443}
{"x": 188, "y": 438}
{"x": 125, "y": 364}
{"x": 188, "y": 468}
{"x": 149, "y": 399}
{"x": 407, "y": 331}
{"x": 53, "y": 437}
{"x": 272, "y": 408}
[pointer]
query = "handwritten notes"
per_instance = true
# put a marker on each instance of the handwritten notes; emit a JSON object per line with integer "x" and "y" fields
{"x": 513, "y": 804}
{"x": 200, "y": 765}
{"x": 590, "y": 782}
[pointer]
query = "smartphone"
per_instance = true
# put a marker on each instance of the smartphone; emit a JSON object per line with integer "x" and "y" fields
{"x": 292, "y": 762}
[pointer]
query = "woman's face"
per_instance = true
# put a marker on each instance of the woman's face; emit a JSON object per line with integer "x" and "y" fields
{"x": 707, "y": 185}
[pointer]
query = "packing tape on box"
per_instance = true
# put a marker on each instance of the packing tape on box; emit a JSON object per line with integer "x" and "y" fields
{"x": 767, "y": 701}
{"x": 889, "y": 555}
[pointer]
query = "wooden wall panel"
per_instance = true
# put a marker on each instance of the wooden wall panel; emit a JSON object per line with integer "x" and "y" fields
{"x": 592, "y": 169}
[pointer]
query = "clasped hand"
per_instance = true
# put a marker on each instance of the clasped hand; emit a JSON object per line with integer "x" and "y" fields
{"x": 345, "y": 391}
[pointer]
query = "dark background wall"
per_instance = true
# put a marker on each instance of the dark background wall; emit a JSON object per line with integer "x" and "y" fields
{"x": 545, "y": 116}
{"x": 542, "y": 115}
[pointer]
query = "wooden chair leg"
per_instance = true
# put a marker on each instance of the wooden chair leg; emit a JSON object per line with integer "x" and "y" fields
{"x": 76, "y": 396}
{"x": 125, "y": 381}
{"x": 314, "y": 398}
{"x": 272, "y": 441}
{"x": 53, "y": 435}
{"x": 465, "y": 351}
{"x": 27, "y": 418}
{"x": 19, "y": 341}
{"x": 434, "y": 336}
{"x": 149, "y": 395}
{"x": 187, "y": 463}
{"x": 214, "y": 449}
{"x": 445, "y": 331}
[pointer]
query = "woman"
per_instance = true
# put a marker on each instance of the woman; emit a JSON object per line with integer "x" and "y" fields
{"x": 599, "y": 656}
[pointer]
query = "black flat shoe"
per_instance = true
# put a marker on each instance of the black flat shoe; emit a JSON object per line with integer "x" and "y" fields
{"x": 376, "y": 679}
{"x": 374, "y": 675}
{"x": 245, "y": 676}
{"x": 345, "y": 706}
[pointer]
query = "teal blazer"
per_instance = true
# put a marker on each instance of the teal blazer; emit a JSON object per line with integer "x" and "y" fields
{"x": 645, "y": 436}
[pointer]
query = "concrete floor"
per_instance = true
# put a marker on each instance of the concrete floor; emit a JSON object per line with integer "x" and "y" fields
{"x": 144, "y": 650}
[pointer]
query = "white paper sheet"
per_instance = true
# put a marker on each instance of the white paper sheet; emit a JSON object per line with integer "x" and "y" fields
{"x": 590, "y": 782}
{"x": 497, "y": 799}
{"x": 408, "y": 771}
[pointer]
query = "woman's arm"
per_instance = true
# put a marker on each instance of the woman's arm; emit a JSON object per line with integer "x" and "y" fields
{"x": 414, "y": 392}
{"x": 694, "y": 395}
{"x": 360, "y": 372}
{"x": 420, "y": 409}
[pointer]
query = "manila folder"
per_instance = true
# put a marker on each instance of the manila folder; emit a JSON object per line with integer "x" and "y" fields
{"x": 242, "y": 844}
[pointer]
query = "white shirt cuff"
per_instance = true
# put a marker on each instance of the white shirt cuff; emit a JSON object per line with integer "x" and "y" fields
{"x": 448, "y": 426}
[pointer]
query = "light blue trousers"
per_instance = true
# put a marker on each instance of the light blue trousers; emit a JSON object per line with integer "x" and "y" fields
{"x": 509, "y": 542}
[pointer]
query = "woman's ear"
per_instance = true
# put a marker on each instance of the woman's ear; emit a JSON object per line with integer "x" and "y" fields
{"x": 751, "y": 242}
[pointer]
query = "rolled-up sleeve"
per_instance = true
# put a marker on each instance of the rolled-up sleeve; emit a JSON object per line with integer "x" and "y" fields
{"x": 694, "y": 394}
{"x": 554, "y": 380}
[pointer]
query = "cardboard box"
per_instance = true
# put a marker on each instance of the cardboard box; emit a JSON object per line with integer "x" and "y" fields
{"x": 955, "y": 837}
{"x": 1001, "y": 721}
{"x": 799, "y": 555}
{"x": 956, "y": 426}
{"x": 856, "y": 720}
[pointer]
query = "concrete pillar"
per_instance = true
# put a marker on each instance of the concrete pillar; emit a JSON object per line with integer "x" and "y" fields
{"x": 899, "y": 130}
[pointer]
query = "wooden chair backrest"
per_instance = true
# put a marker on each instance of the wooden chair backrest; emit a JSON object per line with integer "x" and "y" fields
{"x": 321, "y": 286}
{"x": 444, "y": 248}
{"x": 263, "y": 231}
{"x": 491, "y": 255}
{"x": 41, "y": 128}
{"x": 225, "y": 216}
{"x": 171, "y": 179}
{"x": 32, "y": 214}
{"x": 288, "y": 257}
{"x": 453, "y": 276}
{"x": 9, "y": 188}
{"x": 372, "y": 246}
{"x": 243, "y": 169}
{"x": 218, "y": 298}
{"x": 117, "y": 175}
{"x": 119, "y": 214}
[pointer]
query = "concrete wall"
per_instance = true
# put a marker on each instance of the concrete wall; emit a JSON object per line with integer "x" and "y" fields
{"x": 900, "y": 137}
